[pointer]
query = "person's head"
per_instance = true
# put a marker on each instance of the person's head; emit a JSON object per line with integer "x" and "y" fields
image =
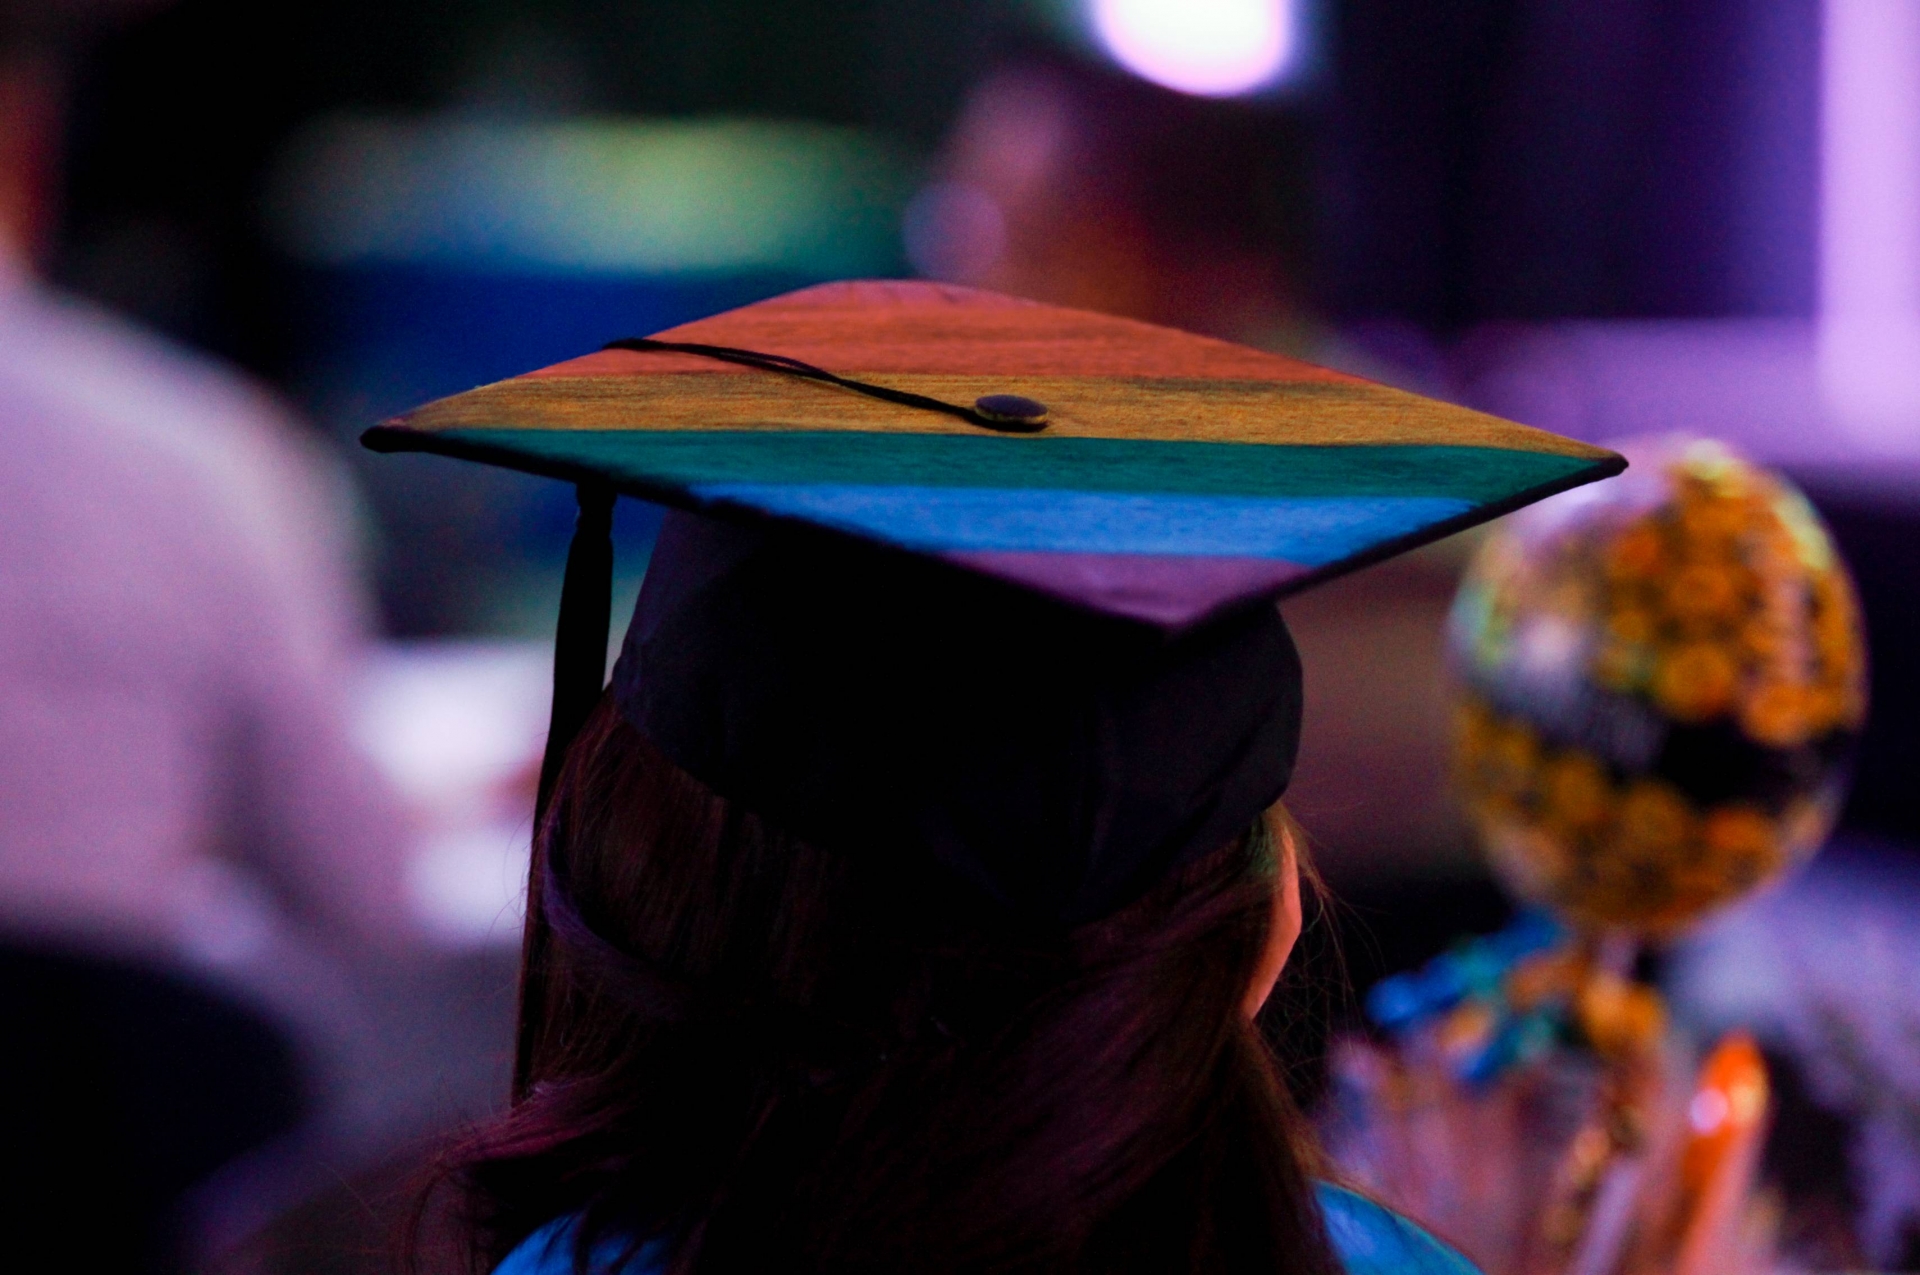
{"x": 897, "y": 918}
{"x": 903, "y": 905}
{"x": 782, "y": 1057}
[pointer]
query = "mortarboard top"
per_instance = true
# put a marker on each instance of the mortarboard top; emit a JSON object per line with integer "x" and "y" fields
{"x": 1061, "y": 759}
{"x": 1176, "y": 475}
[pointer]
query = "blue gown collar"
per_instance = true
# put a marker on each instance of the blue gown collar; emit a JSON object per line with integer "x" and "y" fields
{"x": 1367, "y": 1238}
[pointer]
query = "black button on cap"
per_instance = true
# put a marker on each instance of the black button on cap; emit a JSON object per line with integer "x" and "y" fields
{"x": 1012, "y": 410}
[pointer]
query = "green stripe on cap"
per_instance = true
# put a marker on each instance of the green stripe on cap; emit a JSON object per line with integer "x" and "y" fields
{"x": 675, "y": 460}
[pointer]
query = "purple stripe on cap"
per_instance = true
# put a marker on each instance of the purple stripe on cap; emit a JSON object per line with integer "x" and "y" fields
{"x": 1170, "y": 590}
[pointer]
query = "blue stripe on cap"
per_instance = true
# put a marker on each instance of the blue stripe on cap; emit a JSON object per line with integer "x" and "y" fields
{"x": 1311, "y": 531}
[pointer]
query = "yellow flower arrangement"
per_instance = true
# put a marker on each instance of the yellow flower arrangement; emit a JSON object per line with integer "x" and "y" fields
{"x": 1720, "y": 626}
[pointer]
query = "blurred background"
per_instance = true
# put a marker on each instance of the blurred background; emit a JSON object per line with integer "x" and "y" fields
{"x": 238, "y": 234}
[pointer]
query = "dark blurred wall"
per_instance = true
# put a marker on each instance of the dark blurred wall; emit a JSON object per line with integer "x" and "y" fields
{"x": 1531, "y": 159}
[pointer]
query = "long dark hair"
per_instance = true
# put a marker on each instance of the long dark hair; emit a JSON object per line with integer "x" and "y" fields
{"x": 773, "y": 1058}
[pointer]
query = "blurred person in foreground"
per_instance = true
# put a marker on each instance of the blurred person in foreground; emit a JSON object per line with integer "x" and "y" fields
{"x": 190, "y": 844}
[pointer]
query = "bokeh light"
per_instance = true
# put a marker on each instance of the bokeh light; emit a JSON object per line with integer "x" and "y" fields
{"x": 605, "y": 195}
{"x": 1215, "y": 48}
{"x": 954, "y": 231}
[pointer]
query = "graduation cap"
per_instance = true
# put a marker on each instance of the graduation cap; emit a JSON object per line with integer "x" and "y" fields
{"x": 972, "y": 578}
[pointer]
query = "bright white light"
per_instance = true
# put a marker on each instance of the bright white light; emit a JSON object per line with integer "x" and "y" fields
{"x": 468, "y": 886}
{"x": 1216, "y": 48}
{"x": 458, "y": 728}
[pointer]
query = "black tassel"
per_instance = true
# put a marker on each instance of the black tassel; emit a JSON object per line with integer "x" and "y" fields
{"x": 580, "y": 640}
{"x": 579, "y": 677}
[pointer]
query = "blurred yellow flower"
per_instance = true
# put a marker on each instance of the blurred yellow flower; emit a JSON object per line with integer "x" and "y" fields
{"x": 1764, "y": 639}
{"x": 1575, "y": 791}
{"x": 1512, "y": 758}
{"x": 1707, "y": 594}
{"x": 1632, "y": 624}
{"x": 1654, "y": 819}
{"x": 1778, "y": 714}
{"x": 1704, "y": 591}
{"x": 1622, "y": 666}
{"x": 1635, "y": 554}
{"x": 1695, "y": 681}
{"x": 1742, "y": 843}
{"x": 1618, "y": 1016}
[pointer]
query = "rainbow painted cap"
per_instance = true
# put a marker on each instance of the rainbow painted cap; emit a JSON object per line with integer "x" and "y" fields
{"x": 1172, "y": 476}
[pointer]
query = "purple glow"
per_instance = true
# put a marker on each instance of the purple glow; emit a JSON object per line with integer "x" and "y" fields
{"x": 954, "y": 231}
{"x": 1870, "y": 218}
{"x": 1214, "y": 48}
{"x": 1165, "y": 589}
